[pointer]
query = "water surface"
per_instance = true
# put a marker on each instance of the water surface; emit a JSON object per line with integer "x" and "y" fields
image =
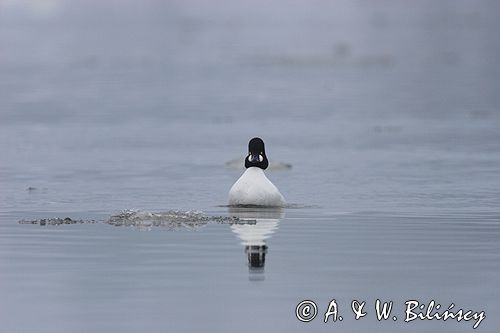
{"x": 388, "y": 113}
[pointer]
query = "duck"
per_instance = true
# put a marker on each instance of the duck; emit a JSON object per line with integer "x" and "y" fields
{"x": 253, "y": 188}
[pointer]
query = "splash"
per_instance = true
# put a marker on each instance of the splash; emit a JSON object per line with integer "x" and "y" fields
{"x": 56, "y": 221}
{"x": 171, "y": 219}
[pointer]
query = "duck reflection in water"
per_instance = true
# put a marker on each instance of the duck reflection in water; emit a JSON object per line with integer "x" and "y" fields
{"x": 262, "y": 223}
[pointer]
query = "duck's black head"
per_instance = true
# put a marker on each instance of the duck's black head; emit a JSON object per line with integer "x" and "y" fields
{"x": 256, "y": 154}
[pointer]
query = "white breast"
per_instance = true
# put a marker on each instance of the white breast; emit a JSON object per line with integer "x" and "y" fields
{"x": 253, "y": 188}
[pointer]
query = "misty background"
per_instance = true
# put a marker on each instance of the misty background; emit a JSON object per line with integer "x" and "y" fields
{"x": 387, "y": 111}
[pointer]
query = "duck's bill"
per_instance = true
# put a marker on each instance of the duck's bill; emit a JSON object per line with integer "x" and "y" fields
{"x": 255, "y": 158}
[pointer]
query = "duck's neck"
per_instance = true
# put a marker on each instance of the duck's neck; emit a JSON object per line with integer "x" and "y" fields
{"x": 254, "y": 170}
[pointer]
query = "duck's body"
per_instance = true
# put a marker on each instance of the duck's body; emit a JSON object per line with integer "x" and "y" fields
{"x": 254, "y": 189}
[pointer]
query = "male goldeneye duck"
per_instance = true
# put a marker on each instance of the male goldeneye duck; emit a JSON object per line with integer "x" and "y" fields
{"x": 253, "y": 188}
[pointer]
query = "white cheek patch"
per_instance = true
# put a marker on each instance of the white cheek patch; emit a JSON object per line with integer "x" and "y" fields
{"x": 261, "y": 158}
{"x": 249, "y": 158}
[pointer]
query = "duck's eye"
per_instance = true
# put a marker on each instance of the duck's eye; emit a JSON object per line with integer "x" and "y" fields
{"x": 261, "y": 158}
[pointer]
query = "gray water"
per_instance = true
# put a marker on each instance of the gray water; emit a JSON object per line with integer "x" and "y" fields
{"x": 388, "y": 112}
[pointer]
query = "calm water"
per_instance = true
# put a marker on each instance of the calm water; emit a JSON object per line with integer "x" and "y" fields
{"x": 389, "y": 113}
